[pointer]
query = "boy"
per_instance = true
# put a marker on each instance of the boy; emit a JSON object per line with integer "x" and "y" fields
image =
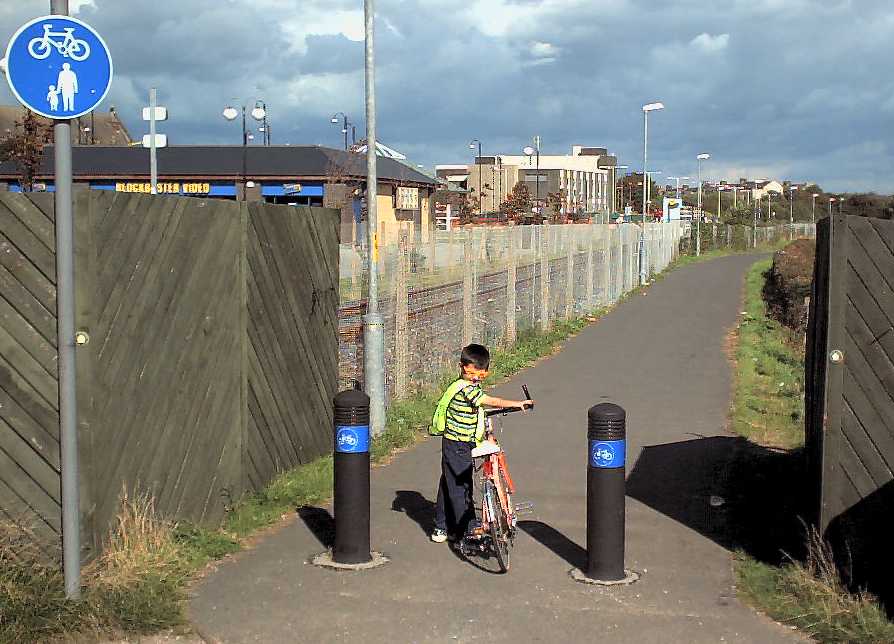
{"x": 53, "y": 98}
{"x": 455, "y": 511}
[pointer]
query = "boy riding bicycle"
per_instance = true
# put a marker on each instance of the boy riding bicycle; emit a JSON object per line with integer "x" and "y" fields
{"x": 460, "y": 417}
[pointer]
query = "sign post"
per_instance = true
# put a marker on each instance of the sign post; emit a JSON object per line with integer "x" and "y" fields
{"x": 60, "y": 68}
{"x": 153, "y": 114}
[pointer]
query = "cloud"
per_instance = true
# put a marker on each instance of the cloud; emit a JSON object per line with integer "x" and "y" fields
{"x": 735, "y": 80}
{"x": 708, "y": 43}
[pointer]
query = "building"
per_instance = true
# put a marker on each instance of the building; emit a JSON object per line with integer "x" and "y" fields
{"x": 585, "y": 179}
{"x": 292, "y": 175}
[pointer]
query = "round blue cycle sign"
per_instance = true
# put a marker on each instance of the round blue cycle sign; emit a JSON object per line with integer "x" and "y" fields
{"x": 58, "y": 67}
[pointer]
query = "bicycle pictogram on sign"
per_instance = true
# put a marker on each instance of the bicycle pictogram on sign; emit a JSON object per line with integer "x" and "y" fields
{"x": 70, "y": 47}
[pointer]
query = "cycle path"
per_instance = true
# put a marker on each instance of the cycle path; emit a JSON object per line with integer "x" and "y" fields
{"x": 660, "y": 356}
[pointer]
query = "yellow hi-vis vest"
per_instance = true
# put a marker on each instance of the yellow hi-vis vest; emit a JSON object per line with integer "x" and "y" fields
{"x": 439, "y": 419}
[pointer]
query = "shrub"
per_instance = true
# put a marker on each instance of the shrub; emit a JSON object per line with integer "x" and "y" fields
{"x": 788, "y": 282}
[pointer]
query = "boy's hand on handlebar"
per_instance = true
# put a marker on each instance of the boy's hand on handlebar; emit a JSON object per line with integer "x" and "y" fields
{"x": 526, "y": 405}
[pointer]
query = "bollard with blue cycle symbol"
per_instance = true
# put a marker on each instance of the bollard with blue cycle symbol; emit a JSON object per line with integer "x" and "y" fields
{"x": 350, "y": 550}
{"x": 606, "y": 469}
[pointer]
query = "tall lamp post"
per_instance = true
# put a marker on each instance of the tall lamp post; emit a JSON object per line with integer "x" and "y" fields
{"x": 260, "y": 108}
{"x": 813, "y": 208}
{"x": 258, "y": 113}
{"x": 472, "y": 145}
{"x": 791, "y": 204}
{"x": 534, "y": 151}
{"x": 650, "y": 107}
{"x": 831, "y": 201}
{"x": 344, "y": 126}
{"x": 704, "y": 156}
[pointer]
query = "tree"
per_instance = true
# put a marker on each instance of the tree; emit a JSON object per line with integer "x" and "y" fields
{"x": 518, "y": 203}
{"x": 633, "y": 192}
{"x": 463, "y": 204}
{"x": 25, "y": 146}
{"x": 556, "y": 201}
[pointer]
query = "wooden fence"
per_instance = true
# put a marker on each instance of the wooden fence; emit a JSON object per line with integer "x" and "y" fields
{"x": 212, "y": 358}
{"x": 850, "y": 394}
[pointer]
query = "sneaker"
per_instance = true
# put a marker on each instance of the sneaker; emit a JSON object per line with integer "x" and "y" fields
{"x": 438, "y": 535}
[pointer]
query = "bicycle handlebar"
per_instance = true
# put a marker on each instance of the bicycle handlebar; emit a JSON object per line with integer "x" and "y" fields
{"x": 512, "y": 410}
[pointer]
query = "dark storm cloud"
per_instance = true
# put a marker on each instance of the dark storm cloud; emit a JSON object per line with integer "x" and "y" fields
{"x": 797, "y": 89}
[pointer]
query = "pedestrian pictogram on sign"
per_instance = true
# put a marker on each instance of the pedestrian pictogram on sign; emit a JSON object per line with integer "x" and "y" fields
{"x": 58, "y": 67}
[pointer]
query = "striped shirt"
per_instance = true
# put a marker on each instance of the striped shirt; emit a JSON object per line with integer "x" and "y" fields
{"x": 462, "y": 414}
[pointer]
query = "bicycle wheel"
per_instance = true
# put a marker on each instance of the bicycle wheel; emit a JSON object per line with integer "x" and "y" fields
{"x": 498, "y": 533}
{"x": 79, "y": 50}
{"x": 39, "y": 48}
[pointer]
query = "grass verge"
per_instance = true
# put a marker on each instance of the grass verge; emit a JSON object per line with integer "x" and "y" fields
{"x": 138, "y": 585}
{"x": 768, "y": 410}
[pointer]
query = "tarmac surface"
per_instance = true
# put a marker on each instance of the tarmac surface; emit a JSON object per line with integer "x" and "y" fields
{"x": 661, "y": 356}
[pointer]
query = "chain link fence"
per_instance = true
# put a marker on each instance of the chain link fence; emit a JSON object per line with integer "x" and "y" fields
{"x": 490, "y": 284}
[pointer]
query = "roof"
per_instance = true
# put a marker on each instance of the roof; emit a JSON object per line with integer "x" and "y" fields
{"x": 382, "y": 150}
{"x": 225, "y": 161}
{"x": 106, "y": 127}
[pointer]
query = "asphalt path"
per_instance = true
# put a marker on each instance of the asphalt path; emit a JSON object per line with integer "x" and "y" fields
{"x": 660, "y": 355}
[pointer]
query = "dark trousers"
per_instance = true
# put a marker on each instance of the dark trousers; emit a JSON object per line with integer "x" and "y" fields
{"x": 455, "y": 509}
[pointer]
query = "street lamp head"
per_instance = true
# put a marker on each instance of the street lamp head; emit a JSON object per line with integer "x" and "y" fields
{"x": 230, "y": 113}
{"x": 651, "y": 107}
{"x": 334, "y": 120}
{"x": 528, "y": 150}
{"x": 703, "y": 156}
{"x": 258, "y": 113}
{"x": 815, "y": 195}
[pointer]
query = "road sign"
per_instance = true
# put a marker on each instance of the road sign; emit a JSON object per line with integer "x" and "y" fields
{"x": 161, "y": 113}
{"x": 58, "y": 67}
{"x": 161, "y": 140}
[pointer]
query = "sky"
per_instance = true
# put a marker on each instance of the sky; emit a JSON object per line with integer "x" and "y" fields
{"x": 788, "y": 89}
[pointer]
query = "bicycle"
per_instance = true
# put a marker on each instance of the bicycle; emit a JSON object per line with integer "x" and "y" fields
{"x": 70, "y": 47}
{"x": 498, "y": 514}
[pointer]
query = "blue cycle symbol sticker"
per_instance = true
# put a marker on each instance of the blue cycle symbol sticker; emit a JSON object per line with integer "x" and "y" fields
{"x": 58, "y": 67}
{"x": 352, "y": 439}
{"x": 607, "y": 454}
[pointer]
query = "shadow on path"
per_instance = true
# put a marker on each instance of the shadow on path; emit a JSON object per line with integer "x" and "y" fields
{"x": 557, "y": 542}
{"x": 736, "y": 493}
{"x": 416, "y": 507}
{"x": 320, "y": 523}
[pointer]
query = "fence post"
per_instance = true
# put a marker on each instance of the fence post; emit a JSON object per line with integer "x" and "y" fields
{"x": 401, "y": 318}
{"x": 511, "y": 278}
{"x": 467, "y": 288}
{"x": 571, "y": 247}
{"x": 544, "y": 277}
{"x": 714, "y": 234}
{"x": 433, "y": 246}
{"x": 606, "y": 266}
{"x": 591, "y": 286}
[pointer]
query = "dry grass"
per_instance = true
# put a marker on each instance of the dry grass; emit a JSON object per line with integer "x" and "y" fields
{"x": 813, "y": 597}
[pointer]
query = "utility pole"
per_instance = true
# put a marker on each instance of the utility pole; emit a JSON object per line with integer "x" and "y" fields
{"x": 374, "y": 329}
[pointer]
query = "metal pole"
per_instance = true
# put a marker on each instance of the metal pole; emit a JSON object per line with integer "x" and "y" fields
{"x": 153, "y": 160}
{"x": 65, "y": 308}
{"x": 374, "y": 331}
{"x": 645, "y": 162}
{"x": 698, "y": 217}
{"x": 791, "y": 206}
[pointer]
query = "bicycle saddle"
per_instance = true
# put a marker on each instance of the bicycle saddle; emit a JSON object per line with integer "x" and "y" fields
{"x": 485, "y": 449}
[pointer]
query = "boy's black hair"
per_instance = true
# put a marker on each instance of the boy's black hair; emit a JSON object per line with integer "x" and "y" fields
{"x": 476, "y": 355}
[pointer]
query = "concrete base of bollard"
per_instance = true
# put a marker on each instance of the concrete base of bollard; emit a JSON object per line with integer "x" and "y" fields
{"x": 581, "y": 577}
{"x": 325, "y": 560}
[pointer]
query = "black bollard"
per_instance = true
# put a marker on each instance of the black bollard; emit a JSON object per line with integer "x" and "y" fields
{"x": 606, "y": 433}
{"x": 351, "y": 469}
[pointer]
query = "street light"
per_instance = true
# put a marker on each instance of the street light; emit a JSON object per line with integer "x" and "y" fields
{"x": 532, "y": 151}
{"x": 344, "y": 126}
{"x": 614, "y": 183}
{"x": 813, "y": 208}
{"x": 791, "y": 204}
{"x": 704, "y": 156}
{"x": 259, "y": 113}
{"x": 831, "y": 201}
{"x": 472, "y": 144}
{"x": 649, "y": 107}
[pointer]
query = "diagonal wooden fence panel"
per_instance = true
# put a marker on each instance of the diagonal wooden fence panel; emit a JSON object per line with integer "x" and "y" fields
{"x": 850, "y": 396}
{"x": 212, "y": 354}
